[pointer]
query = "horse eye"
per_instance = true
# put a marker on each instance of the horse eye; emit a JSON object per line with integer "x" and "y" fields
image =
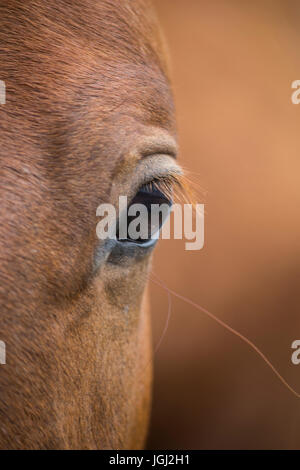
{"x": 145, "y": 216}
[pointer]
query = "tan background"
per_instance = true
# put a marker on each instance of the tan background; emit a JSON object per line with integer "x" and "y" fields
{"x": 233, "y": 64}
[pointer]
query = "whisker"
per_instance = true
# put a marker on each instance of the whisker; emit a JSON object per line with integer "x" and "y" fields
{"x": 167, "y": 322}
{"x": 234, "y": 332}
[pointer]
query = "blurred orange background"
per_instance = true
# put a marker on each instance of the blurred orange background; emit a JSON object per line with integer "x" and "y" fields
{"x": 232, "y": 67}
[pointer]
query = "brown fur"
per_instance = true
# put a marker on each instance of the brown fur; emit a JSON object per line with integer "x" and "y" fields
{"x": 86, "y": 82}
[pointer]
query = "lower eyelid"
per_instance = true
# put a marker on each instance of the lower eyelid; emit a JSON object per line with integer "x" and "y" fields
{"x": 126, "y": 251}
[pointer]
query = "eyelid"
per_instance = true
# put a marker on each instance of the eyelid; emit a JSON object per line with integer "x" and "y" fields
{"x": 164, "y": 146}
{"x": 157, "y": 166}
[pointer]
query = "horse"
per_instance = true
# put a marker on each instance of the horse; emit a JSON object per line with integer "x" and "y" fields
{"x": 88, "y": 116}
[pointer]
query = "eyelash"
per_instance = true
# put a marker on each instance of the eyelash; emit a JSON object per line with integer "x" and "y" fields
{"x": 167, "y": 185}
{"x": 157, "y": 192}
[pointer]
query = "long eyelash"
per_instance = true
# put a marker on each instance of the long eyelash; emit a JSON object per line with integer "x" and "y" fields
{"x": 174, "y": 186}
{"x": 177, "y": 187}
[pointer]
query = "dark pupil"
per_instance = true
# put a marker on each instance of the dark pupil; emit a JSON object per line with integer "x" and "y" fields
{"x": 148, "y": 196}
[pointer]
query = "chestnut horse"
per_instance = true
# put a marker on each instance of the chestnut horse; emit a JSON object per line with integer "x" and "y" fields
{"x": 88, "y": 117}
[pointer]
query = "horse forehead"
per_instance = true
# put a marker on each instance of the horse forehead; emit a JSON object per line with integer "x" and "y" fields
{"x": 85, "y": 66}
{"x": 68, "y": 34}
